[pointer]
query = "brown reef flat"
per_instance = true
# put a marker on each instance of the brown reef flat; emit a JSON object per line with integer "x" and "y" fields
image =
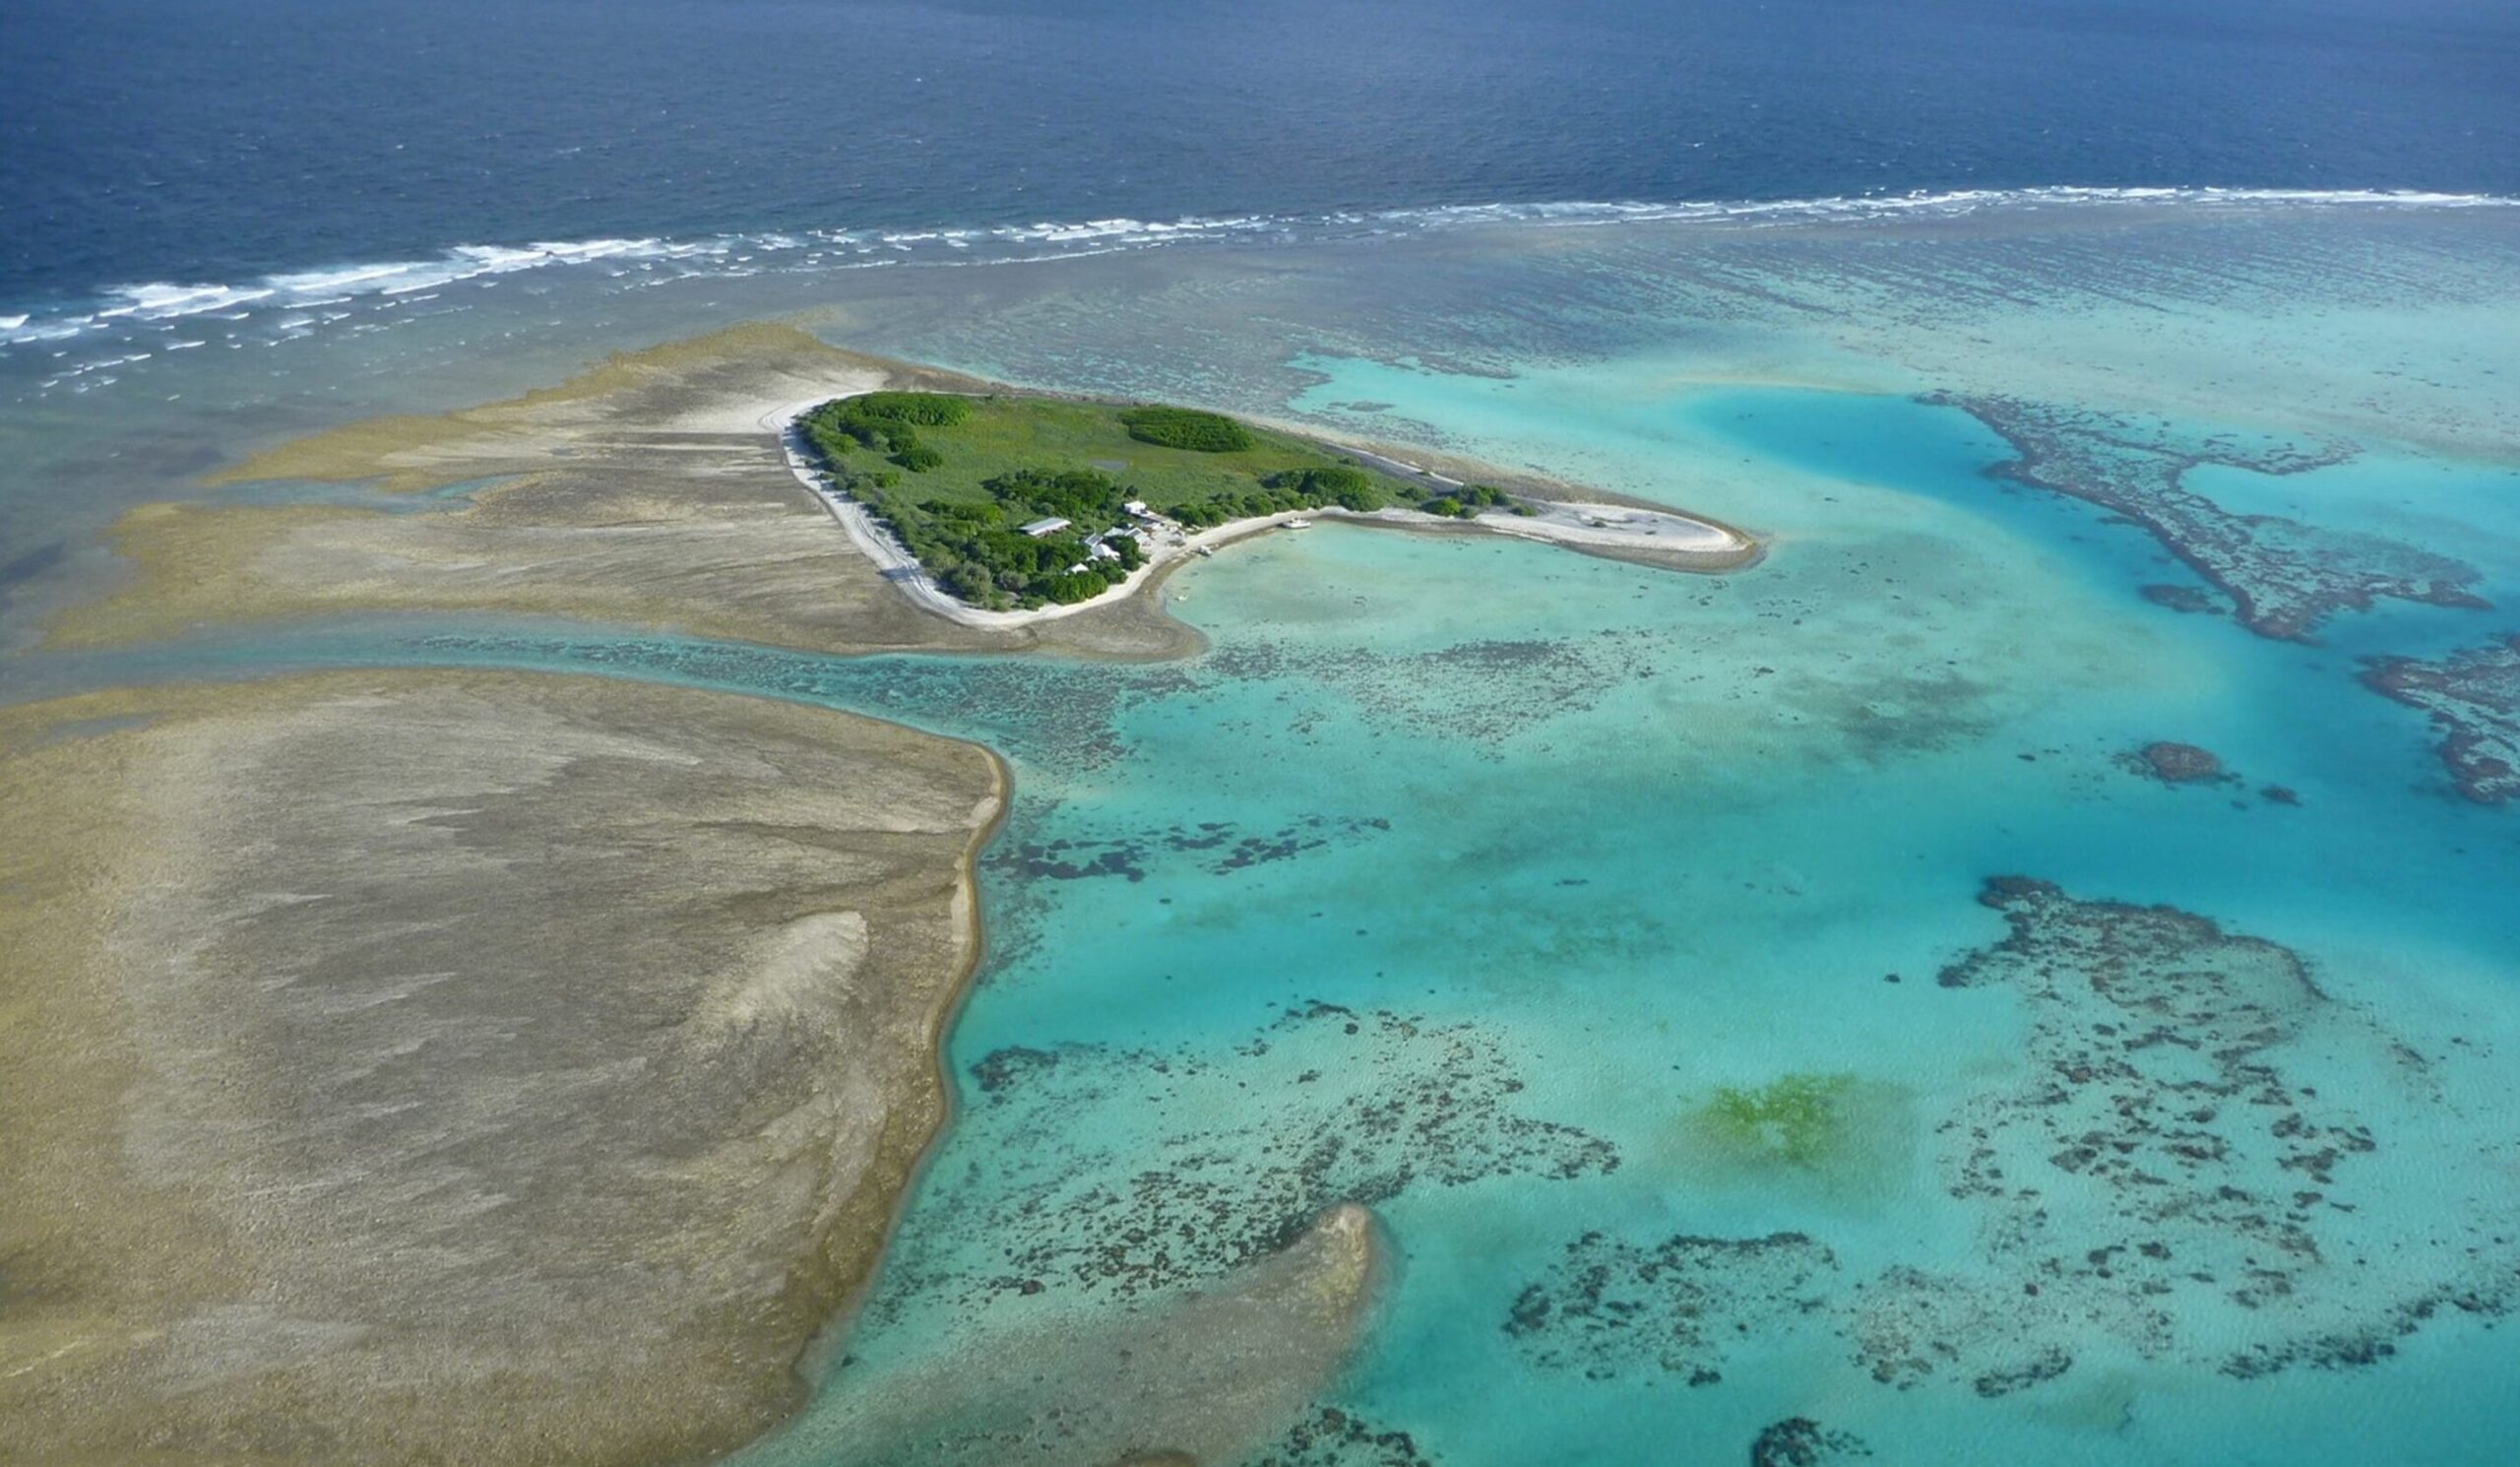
{"x": 645, "y": 494}
{"x": 456, "y": 1066}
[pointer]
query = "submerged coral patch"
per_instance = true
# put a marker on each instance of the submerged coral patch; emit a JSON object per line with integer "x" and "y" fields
{"x": 1336, "y": 1438}
{"x": 1228, "y": 1151}
{"x": 1801, "y": 1441}
{"x": 1229, "y": 1370}
{"x": 2190, "y": 1169}
{"x": 1481, "y": 693}
{"x": 1219, "y": 847}
{"x": 1608, "y": 1306}
{"x": 2194, "y": 1164}
{"x": 2178, "y": 764}
{"x": 2474, "y": 698}
{"x": 2284, "y": 577}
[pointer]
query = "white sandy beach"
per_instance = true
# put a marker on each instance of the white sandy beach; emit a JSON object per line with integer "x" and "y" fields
{"x": 1575, "y": 525}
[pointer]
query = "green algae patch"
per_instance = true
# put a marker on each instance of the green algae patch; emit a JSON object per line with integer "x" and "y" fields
{"x": 1795, "y": 1119}
{"x": 1846, "y": 1137}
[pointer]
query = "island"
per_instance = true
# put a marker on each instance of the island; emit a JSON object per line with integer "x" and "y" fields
{"x": 1024, "y": 504}
{"x": 673, "y": 489}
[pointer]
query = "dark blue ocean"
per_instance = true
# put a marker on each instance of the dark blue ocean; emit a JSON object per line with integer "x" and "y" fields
{"x": 215, "y": 141}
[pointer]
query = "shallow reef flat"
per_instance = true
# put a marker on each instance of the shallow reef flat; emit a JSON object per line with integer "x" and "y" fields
{"x": 2474, "y": 697}
{"x": 1212, "y": 1374}
{"x": 412, "y": 1066}
{"x": 649, "y": 492}
{"x": 1323, "y": 1106}
{"x": 2196, "y": 1167}
{"x": 2285, "y": 578}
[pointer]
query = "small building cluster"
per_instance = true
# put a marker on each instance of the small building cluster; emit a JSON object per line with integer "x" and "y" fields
{"x": 1098, "y": 547}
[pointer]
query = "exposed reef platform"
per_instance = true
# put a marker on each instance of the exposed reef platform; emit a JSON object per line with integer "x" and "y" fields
{"x": 404, "y": 1068}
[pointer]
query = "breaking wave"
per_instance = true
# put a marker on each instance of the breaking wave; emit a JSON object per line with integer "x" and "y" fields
{"x": 293, "y": 294}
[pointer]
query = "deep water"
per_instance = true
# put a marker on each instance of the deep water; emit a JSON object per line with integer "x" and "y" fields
{"x": 182, "y": 142}
{"x": 1489, "y": 885}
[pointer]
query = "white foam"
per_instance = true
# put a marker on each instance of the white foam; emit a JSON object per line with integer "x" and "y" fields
{"x": 162, "y": 302}
{"x": 640, "y": 262}
{"x": 55, "y": 329}
{"x": 1954, "y": 202}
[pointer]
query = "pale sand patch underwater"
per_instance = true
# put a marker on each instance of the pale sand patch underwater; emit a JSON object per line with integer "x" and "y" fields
{"x": 431, "y": 1066}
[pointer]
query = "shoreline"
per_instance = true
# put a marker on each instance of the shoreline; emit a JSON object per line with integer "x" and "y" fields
{"x": 1616, "y": 531}
{"x": 812, "y": 1362}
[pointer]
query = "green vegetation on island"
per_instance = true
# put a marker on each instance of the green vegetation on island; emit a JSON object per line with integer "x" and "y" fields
{"x": 1021, "y": 501}
{"x": 1467, "y": 501}
{"x": 1187, "y": 428}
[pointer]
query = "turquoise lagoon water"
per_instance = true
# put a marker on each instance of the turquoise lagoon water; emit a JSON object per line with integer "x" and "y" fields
{"x": 1628, "y": 837}
{"x": 1461, "y": 876}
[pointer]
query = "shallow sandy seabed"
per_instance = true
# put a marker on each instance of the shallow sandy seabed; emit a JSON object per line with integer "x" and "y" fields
{"x": 1210, "y": 1373}
{"x": 437, "y": 1067}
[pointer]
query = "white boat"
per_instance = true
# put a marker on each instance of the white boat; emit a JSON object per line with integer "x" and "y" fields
{"x": 1299, "y": 524}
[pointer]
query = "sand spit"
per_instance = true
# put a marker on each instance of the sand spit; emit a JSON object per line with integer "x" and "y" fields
{"x": 1210, "y": 1374}
{"x": 457, "y": 1067}
{"x": 1590, "y": 521}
